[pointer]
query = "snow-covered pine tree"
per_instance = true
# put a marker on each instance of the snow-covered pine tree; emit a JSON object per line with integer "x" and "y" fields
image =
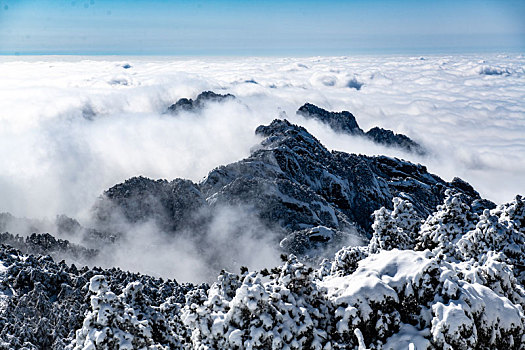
{"x": 285, "y": 310}
{"x": 346, "y": 260}
{"x": 442, "y": 229}
{"x": 501, "y": 231}
{"x": 397, "y": 228}
{"x": 113, "y": 324}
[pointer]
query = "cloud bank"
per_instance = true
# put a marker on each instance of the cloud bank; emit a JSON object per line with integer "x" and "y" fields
{"x": 71, "y": 127}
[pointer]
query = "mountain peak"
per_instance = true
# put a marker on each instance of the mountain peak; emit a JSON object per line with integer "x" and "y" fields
{"x": 339, "y": 121}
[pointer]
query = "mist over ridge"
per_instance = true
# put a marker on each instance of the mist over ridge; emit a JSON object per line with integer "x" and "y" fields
{"x": 75, "y": 128}
{"x": 239, "y": 184}
{"x": 256, "y": 175}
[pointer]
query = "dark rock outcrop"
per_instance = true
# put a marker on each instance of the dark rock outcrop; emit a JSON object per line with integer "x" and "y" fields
{"x": 389, "y": 138}
{"x": 317, "y": 241}
{"x": 63, "y": 226}
{"x": 339, "y": 121}
{"x": 345, "y": 122}
{"x": 347, "y": 187}
{"x": 46, "y": 244}
{"x": 185, "y": 104}
{"x": 172, "y": 206}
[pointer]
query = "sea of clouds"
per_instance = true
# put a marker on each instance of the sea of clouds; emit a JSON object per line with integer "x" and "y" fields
{"x": 71, "y": 127}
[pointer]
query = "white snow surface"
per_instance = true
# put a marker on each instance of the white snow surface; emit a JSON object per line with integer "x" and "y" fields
{"x": 379, "y": 276}
{"x": 408, "y": 338}
{"x": 460, "y": 312}
{"x": 71, "y": 127}
{"x": 322, "y": 232}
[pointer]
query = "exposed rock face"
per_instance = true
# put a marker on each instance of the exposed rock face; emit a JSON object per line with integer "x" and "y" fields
{"x": 290, "y": 183}
{"x": 345, "y": 122}
{"x": 68, "y": 226}
{"x": 339, "y": 121}
{"x": 63, "y": 226}
{"x": 352, "y": 184}
{"x": 389, "y": 138}
{"x": 317, "y": 241}
{"x": 172, "y": 206}
{"x": 185, "y": 104}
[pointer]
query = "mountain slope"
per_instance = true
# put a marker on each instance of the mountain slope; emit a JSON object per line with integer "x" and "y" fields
{"x": 290, "y": 183}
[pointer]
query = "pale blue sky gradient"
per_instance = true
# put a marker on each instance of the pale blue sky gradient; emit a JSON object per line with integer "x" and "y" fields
{"x": 187, "y": 27}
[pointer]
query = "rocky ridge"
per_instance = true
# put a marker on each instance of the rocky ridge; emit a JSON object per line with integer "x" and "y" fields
{"x": 189, "y": 105}
{"x": 345, "y": 122}
{"x": 290, "y": 182}
{"x": 46, "y": 244}
{"x": 443, "y": 268}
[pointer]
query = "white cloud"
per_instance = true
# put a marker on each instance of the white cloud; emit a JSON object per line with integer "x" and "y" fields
{"x": 71, "y": 128}
{"x": 474, "y": 123}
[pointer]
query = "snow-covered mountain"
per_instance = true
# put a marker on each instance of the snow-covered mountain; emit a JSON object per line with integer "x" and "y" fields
{"x": 73, "y": 126}
{"x": 419, "y": 262}
{"x": 291, "y": 184}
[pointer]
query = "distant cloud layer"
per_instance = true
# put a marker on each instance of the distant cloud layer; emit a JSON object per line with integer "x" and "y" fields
{"x": 70, "y": 128}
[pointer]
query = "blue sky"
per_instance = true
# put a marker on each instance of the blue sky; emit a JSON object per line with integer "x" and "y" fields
{"x": 187, "y": 27}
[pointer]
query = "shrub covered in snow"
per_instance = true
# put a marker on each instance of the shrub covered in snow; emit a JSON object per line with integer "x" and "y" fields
{"x": 125, "y": 321}
{"x": 395, "y": 228}
{"x": 346, "y": 260}
{"x": 499, "y": 230}
{"x": 473, "y": 297}
{"x": 441, "y": 230}
{"x": 392, "y": 289}
{"x": 283, "y": 310}
{"x": 445, "y": 283}
{"x": 391, "y": 296}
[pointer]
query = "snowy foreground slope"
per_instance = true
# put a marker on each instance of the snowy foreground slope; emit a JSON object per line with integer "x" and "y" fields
{"x": 452, "y": 281}
{"x": 448, "y": 277}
